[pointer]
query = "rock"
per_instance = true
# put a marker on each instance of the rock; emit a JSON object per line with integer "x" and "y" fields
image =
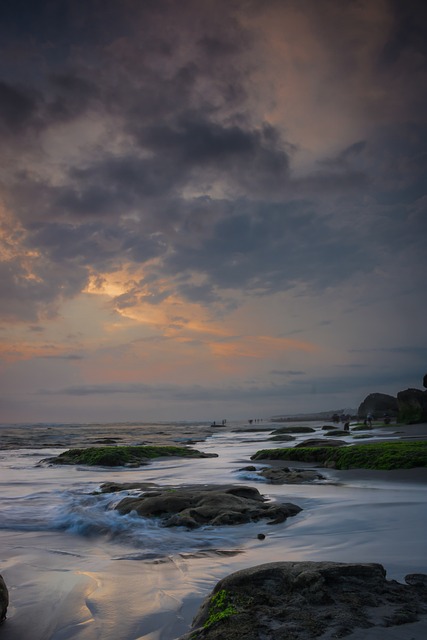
{"x": 290, "y": 476}
{"x": 425, "y": 381}
{"x": 282, "y": 437}
{"x": 306, "y": 600}
{"x": 320, "y": 442}
{"x": 412, "y": 405}
{"x": 378, "y": 404}
{"x": 118, "y": 456}
{"x": 281, "y": 430}
{"x": 199, "y": 505}
{"x": 113, "y": 487}
{"x": 416, "y": 579}
{"x": 336, "y": 432}
{"x": 4, "y": 599}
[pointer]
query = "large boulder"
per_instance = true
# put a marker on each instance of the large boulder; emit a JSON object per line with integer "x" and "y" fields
{"x": 195, "y": 506}
{"x": 378, "y": 404}
{"x": 412, "y": 405}
{"x": 304, "y": 600}
{"x": 4, "y": 599}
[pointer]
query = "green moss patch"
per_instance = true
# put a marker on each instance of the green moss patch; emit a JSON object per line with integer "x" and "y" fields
{"x": 384, "y": 455}
{"x": 220, "y": 607}
{"x": 121, "y": 456}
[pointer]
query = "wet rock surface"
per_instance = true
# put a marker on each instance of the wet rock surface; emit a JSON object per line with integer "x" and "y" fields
{"x": 4, "y": 599}
{"x": 290, "y": 476}
{"x": 305, "y": 600}
{"x": 197, "y": 505}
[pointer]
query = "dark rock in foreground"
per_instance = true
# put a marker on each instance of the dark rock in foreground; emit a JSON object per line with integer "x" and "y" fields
{"x": 305, "y": 600}
{"x": 197, "y": 505}
{"x": 4, "y": 599}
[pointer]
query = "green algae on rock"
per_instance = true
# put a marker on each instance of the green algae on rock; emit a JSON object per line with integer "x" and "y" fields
{"x": 123, "y": 455}
{"x": 307, "y": 600}
{"x": 382, "y": 456}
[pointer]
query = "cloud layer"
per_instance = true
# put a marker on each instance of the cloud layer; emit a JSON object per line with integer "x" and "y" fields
{"x": 169, "y": 168}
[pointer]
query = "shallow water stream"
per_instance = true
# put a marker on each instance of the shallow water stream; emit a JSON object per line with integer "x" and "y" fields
{"x": 76, "y": 569}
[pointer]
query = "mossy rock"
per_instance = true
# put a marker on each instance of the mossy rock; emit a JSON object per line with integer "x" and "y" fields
{"x": 123, "y": 456}
{"x": 276, "y": 432}
{"x": 384, "y": 455}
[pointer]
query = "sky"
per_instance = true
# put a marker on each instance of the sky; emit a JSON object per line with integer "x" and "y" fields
{"x": 210, "y": 209}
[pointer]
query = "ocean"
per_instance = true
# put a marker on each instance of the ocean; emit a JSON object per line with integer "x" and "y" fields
{"x": 77, "y": 569}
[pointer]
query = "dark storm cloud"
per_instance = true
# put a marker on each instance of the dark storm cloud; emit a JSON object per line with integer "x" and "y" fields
{"x": 17, "y": 108}
{"x": 265, "y": 248}
{"x": 29, "y": 297}
{"x": 187, "y": 171}
{"x": 409, "y": 31}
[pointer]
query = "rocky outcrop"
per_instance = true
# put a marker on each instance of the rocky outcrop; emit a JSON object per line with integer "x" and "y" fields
{"x": 195, "y": 506}
{"x": 290, "y": 476}
{"x": 306, "y": 600}
{"x": 409, "y": 407}
{"x": 124, "y": 456}
{"x": 320, "y": 442}
{"x": 285, "y": 475}
{"x": 378, "y": 404}
{"x": 285, "y": 430}
{"x": 412, "y": 405}
{"x": 4, "y": 599}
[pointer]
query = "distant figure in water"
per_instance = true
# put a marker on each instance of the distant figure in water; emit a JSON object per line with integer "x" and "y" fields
{"x": 369, "y": 419}
{"x": 347, "y": 426}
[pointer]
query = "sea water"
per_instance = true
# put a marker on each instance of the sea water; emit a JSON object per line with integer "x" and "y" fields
{"x": 77, "y": 569}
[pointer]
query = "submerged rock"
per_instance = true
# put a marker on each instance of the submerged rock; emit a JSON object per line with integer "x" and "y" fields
{"x": 290, "y": 476}
{"x": 197, "y": 505}
{"x": 305, "y": 600}
{"x": 4, "y": 599}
